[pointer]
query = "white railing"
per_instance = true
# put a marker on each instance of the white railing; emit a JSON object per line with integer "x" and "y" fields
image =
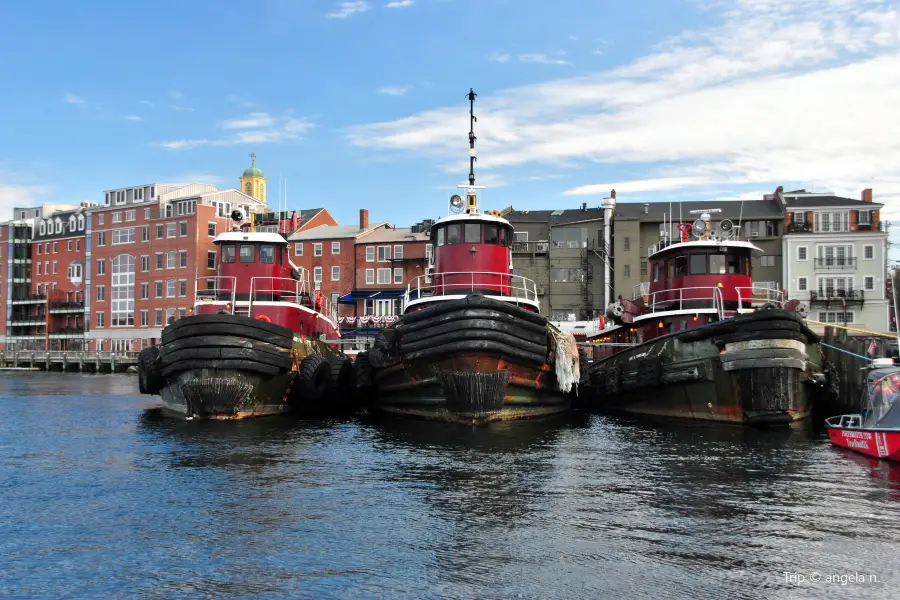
{"x": 674, "y": 299}
{"x": 640, "y": 290}
{"x": 284, "y": 289}
{"x": 758, "y": 296}
{"x": 453, "y": 283}
{"x": 221, "y": 290}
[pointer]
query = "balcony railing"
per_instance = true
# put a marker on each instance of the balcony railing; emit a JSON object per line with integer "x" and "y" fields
{"x": 868, "y": 227}
{"x": 836, "y": 262}
{"x": 28, "y": 299}
{"x": 799, "y": 228}
{"x": 66, "y": 307}
{"x": 531, "y": 247}
{"x": 832, "y": 295}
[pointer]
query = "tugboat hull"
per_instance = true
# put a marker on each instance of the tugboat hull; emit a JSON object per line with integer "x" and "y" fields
{"x": 230, "y": 367}
{"x": 472, "y": 361}
{"x": 753, "y": 369}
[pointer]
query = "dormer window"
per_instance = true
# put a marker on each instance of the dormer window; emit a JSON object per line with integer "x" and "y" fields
{"x": 43, "y": 228}
{"x": 59, "y": 225}
{"x": 80, "y": 222}
{"x": 72, "y": 223}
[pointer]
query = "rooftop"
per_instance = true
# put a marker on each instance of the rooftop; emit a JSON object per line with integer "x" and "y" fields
{"x": 332, "y": 232}
{"x": 394, "y": 235}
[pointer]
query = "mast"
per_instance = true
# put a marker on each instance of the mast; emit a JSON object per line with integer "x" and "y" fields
{"x": 472, "y": 152}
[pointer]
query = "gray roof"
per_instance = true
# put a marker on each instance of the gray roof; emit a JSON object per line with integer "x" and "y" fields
{"x": 555, "y": 217}
{"x": 332, "y": 232}
{"x": 394, "y": 235}
{"x": 803, "y": 200}
{"x": 731, "y": 209}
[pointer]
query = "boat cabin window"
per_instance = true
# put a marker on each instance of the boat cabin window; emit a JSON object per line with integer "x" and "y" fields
{"x": 717, "y": 264}
{"x": 267, "y": 254}
{"x": 737, "y": 265}
{"x": 491, "y": 235}
{"x": 698, "y": 264}
{"x": 681, "y": 266}
{"x": 228, "y": 253}
{"x": 473, "y": 233}
{"x": 453, "y": 234}
{"x": 248, "y": 253}
{"x": 656, "y": 270}
{"x": 504, "y": 237}
{"x": 440, "y": 236}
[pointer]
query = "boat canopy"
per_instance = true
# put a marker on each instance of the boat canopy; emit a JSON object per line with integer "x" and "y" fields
{"x": 883, "y": 402}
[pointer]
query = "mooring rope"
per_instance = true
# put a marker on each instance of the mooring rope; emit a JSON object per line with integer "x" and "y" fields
{"x": 866, "y": 358}
{"x": 882, "y": 334}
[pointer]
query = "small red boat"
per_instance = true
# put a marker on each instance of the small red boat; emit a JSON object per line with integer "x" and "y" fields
{"x": 875, "y": 432}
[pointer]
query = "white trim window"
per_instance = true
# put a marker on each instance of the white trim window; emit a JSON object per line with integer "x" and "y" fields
{"x": 211, "y": 228}
{"x": 298, "y": 249}
{"x": 398, "y": 252}
{"x": 130, "y": 215}
{"x": 865, "y": 217}
{"x": 835, "y": 221}
{"x": 211, "y": 260}
{"x": 117, "y": 218}
{"x": 370, "y": 253}
{"x": 868, "y": 252}
{"x": 171, "y": 259}
{"x": 869, "y": 282}
{"x": 802, "y": 253}
{"x": 802, "y": 284}
{"x": 123, "y": 236}
{"x": 171, "y": 230}
{"x": 170, "y": 288}
{"x": 122, "y": 291}
{"x": 837, "y": 316}
{"x": 317, "y": 274}
{"x": 398, "y": 276}
{"x": 335, "y": 247}
{"x": 101, "y": 266}
{"x": 370, "y": 276}
{"x": 834, "y": 287}
{"x": 335, "y": 273}
{"x": 317, "y": 248}
{"x": 384, "y": 253}
{"x": 384, "y": 276}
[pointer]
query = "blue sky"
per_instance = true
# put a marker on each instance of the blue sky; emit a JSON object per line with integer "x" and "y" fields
{"x": 361, "y": 104}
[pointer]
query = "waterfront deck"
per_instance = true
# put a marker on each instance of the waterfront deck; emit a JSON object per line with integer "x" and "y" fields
{"x": 74, "y": 361}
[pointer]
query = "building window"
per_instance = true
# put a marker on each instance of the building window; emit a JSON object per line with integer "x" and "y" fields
{"x": 767, "y": 261}
{"x": 211, "y": 229}
{"x": 100, "y": 219}
{"x": 171, "y": 229}
{"x": 626, "y": 271}
{"x": 398, "y": 276}
{"x": 398, "y": 252}
{"x": 170, "y": 288}
{"x": 181, "y": 313}
{"x": 384, "y": 276}
{"x": 837, "y": 317}
{"x": 317, "y": 275}
{"x": 170, "y": 259}
{"x": 145, "y": 291}
{"x": 54, "y": 267}
{"x": 298, "y": 249}
{"x": 182, "y": 258}
{"x": 99, "y": 319}
{"x": 627, "y": 245}
{"x": 41, "y": 248}
{"x": 370, "y": 253}
{"x": 146, "y": 213}
{"x": 145, "y": 263}
{"x": 144, "y": 318}
{"x": 117, "y": 218}
{"x": 159, "y": 260}
{"x": 771, "y": 229}
{"x": 868, "y": 252}
{"x": 801, "y": 284}
{"x": 643, "y": 270}
{"x": 123, "y": 291}
{"x": 870, "y": 283}
{"x": 370, "y": 276}
{"x": 182, "y": 287}
{"x": 101, "y": 238}
{"x": 39, "y": 269}
{"x": 335, "y": 273}
{"x": 211, "y": 259}
{"x": 182, "y": 228}
{"x": 158, "y": 316}
{"x": 384, "y": 253}
{"x": 801, "y": 253}
{"x": 101, "y": 293}
{"x": 335, "y": 247}
{"x": 865, "y": 217}
{"x": 170, "y": 315}
{"x": 101, "y": 266}
{"x": 145, "y": 233}
{"x": 159, "y": 231}
{"x": 561, "y": 275}
{"x": 317, "y": 249}
{"x": 123, "y": 236}
{"x": 159, "y": 289}
{"x": 130, "y": 215}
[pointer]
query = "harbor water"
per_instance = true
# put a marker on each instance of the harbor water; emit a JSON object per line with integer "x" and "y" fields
{"x": 102, "y": 498}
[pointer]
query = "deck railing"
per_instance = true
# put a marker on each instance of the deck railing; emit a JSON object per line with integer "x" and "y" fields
{"x": 285, "y": 289}
{"x": 216, "y": 289}
{"x": 463, "y": 282}
{"x": 759, "y": 296}
{"x": 675, "y": 299}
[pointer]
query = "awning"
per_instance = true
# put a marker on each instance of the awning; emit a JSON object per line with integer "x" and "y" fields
{"x": 352, "y": 297}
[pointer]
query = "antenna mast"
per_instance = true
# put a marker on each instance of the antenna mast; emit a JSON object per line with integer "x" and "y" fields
{"x": 472, "y": 119}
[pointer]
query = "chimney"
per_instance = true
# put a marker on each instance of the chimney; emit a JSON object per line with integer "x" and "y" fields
{"x": 867, "y": 195}
{"x": 363, "y": 218}
{"x": 584, "y": 206}
{"x": 613, "y": 194}
{"x": 646, "y": 209}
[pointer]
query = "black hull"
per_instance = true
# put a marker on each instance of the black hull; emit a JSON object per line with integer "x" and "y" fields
{"x": 228, "y": 367}
{"x": 472, "y": 361}
{"x": 754, "y": 369}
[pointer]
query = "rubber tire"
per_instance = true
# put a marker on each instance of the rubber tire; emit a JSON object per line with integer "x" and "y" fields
{"x": 223, "y": 322}
{"x": 283, "y": 361}
{"x": 313, "y": 380}
{"x": 362, "y": 371}
{"x": 150, "y": 377}
{"x": 223, "y": 364}
{"x": 341, "y": 382}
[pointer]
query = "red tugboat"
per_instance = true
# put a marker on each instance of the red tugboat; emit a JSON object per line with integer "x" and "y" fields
{"x": 259, "y": 341}
{"x": 875, "y": 432}
{"x": 701, "y": 342}
{"x": 471, "y": 345}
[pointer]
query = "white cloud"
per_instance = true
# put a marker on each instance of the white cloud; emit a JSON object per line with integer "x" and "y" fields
{"x": 14, "y": 193}
{"x": 147, "y": 103}
{"x": 348, "y": 9}
{"x": 394, "y": 90}
{"x": 812, "y": 99}
{"x": 179, "y": 107}
{"x": 132, "y": 118}
{"x": 255, "y": 128}
{"x": 70, "y": 98}
{"x": 640, "y": 185}
{"x": 542, "y": 59}
{"x": 253, "y": 120}
{"x": 176, "y": 95}
{"x": 500, "y": 57}
{"x": 240, "y": 101}
{"x": 399, "y": 4}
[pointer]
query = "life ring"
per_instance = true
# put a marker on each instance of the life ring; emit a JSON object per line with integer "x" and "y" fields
{"x": 264, "y": 318}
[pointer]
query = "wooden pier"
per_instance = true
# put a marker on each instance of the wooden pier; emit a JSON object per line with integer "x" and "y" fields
{"x": 68, "y": 361}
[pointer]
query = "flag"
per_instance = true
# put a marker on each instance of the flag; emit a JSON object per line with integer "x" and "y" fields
{"x": 871, "y": 350}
